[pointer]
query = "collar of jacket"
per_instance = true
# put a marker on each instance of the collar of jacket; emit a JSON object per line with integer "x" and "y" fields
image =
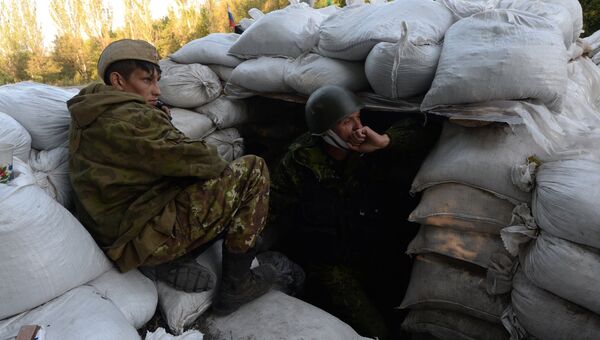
{"x": 308, "y": 152}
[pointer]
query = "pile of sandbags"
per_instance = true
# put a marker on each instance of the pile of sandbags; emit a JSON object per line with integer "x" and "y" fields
{"x": 559, "y": 250}
{"x": 468, "y": 198}
{"x": 54, "y": 274}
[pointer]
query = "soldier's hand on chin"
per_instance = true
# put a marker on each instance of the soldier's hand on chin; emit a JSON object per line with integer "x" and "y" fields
{"x": 366, "y": 140}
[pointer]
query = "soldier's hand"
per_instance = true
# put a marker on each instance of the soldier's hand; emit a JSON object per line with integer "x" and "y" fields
{"x": 165, "y": 109}
{"x": 371, "y": 140}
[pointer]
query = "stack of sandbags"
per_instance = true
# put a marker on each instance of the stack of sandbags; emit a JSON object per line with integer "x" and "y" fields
{"x": 41, "y": 119}
{"x": 594, "y": 43}
{"x": 561, "y": 265}
{"x": 49, "y": 260}
{"x": 462, "y": 272}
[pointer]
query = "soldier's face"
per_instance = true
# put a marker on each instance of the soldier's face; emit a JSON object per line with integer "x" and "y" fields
{"x": 143, "y": 83}
{"x": 345, "y": 127}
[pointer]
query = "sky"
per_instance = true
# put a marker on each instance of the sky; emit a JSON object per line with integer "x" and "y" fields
{"x": 158, "y": 8}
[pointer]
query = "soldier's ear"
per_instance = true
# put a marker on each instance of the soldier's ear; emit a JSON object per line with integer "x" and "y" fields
{"x": 117, "y": 80}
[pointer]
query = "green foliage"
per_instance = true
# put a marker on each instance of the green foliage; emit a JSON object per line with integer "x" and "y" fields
{"x": 85, "y": 29}
{"x": 591, "y": 16}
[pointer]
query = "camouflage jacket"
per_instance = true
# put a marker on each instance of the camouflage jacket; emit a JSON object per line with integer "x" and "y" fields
{"x": 316, "y": 197}
{"x": 127, "y": 164}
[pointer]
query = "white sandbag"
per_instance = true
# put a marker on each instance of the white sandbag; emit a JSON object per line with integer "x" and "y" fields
{"x": 403, "y": 69}
{"x": 211, "y": 49}
{"x": 264, "y": 74}
{"x": 161, "y": 334}
{"x": 225, "y": 112}
{"x": 279, "y": 316}
{"x": 546, "y": 316}
{"x": 438, "y": 282}
{"x": 496, "y": 55}
{"x": 479, "y": 157}
{"x": 11, "y": 132}
{"x": 566, "y": 200}
{"x": 245, "y": 23}
{"x": 451, "y": 325}
{"x": 343, "y": 37}
{"x": 312, "y": 71}
{"x": 287, "y": 32}
{"x": 193, "y": 124}
{"x": 51, "y": 171}
{"x": 462, "y": 208}
{"x": 223, "y": 72}
{"x": 574, "y": 7}
{"x": 565, "y": 269}
{"x": 465, "y": 8}
{"x": 329, "y": 10}
{"x": 41, "y": 109}
{"x": 133, "y": 293}
{"x": 229, "y": 143}
{"x": 189, "y": 86}
{"x": 166, "y": 64}
{"x": 556, "y": 14}
{"x": 81, "y": 313}
{"x": 45, "y": 251}
{"x": 181, "y": 309}
{"x": 473, "y": 247}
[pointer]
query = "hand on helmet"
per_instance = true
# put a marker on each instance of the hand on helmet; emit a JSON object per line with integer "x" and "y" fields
{"x": 366, "y": 140}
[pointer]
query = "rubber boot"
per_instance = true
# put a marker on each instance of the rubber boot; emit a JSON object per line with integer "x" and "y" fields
{"x": 239, "y": 283}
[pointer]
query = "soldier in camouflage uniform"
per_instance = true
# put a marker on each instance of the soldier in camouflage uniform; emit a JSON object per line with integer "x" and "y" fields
{"x": 326, "y": 202}
{"x": 150, "y": 196}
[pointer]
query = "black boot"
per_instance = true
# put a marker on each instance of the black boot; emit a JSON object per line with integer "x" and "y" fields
{"x": 239, "y": 284}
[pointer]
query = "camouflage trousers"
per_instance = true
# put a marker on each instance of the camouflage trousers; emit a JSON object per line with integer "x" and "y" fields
{"x": 235, "y": 205}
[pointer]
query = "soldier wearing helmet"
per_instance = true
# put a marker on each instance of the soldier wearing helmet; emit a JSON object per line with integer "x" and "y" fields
{"x": 326, "y": 207}
{"x": 153, "y": 198}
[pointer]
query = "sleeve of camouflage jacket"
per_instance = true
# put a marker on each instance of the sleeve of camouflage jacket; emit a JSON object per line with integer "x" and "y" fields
{"x": 159, "y": 148}
{"x": 411, "y": 135}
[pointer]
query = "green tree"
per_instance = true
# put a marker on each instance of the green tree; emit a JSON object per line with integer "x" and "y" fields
{"x": 591, "y": 16}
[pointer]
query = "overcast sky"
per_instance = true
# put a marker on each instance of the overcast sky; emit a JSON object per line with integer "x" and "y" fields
{"x": 159, "y": 8}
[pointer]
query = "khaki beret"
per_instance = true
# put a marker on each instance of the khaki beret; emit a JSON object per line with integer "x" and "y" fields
{"x": 126, "y": 49}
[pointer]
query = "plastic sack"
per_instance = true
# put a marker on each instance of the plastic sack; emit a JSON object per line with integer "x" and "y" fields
{"x": 312, "y": 71}
{"x": 264, "y": 74}
{"x": 495, "y": 55}
{"x": 403, "y": 69}
{"x": 473, "y": 247}
{"x": 225, "y": 112}
{"x": 465, "y": 8}
{"x": 566, "y": 200}
{"x": 224, "y": 72}
{"x": 546, "y": 316}
{"x": 438, "y": 282}
{"x": 342, "y": 37}
{"x": 41, "y": 109}
{"x": 287, "y": 32}
{"x": 181, "y": 309}
{"x": 193, "y": 124}
{"x": 565, "y": 269}
{"x": 51, "y": 171}
{"x": 11, "y": 132}
{"x": 81, "y": 313}
{"x": 462, "y": 208}
{"x": 189, "y": 86}
{"x": 557, "y": 14}
{"x": 279, "y": 316}
{"x": 45, "y": 250}
{"x": 161, "y": 334}
{"x": 451, "y": 325}
{"x": 482, "y": 158}
{"x": 211, "y": 49}
{"x": 229, "y": 143}
{"x": 133, "y": 293}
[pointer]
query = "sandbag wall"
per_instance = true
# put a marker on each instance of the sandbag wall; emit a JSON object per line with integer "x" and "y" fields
{"x": 53, "y": 273}
{"x": 487, "y": 187}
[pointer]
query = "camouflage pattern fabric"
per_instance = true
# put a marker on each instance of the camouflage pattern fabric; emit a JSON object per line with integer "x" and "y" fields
{"x": 235, "y": 203}
{"x": 127, "y": 165}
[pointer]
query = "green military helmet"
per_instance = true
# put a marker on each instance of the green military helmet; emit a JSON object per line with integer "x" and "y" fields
{"x": 328, "y": 105}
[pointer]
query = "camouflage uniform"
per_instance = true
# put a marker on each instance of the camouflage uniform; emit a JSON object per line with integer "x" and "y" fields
{"x": 330, "y": 216}
{"x": 147, "y": 193}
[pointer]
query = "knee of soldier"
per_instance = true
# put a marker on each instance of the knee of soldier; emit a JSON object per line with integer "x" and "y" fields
{"x": 255, "y": 165}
